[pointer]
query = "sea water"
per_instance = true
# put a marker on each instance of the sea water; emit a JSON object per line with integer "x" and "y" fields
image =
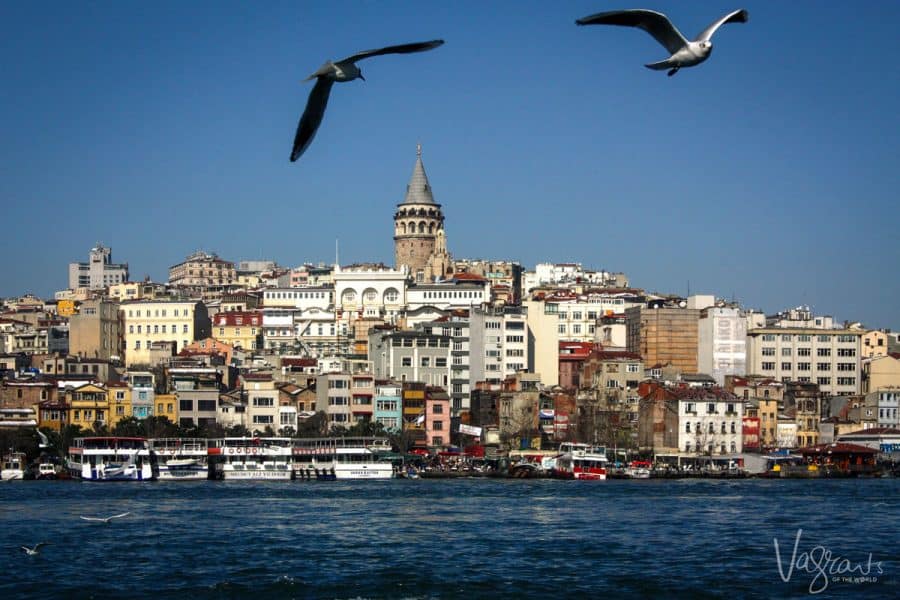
{"x": 459, "y": 538}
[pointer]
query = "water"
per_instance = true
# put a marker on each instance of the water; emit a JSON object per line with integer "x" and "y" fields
{"x": 462, "y": 538}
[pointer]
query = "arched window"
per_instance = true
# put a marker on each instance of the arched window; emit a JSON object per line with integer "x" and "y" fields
{"x": 422, "y": 227}
{"x": 402, "y": 227}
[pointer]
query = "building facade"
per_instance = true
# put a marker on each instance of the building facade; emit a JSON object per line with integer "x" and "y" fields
{"x": 99, "y": 272}
{"x": 94, "y": 330}
{"x": 147, "y": 322}
{"x": 664, "y": 335}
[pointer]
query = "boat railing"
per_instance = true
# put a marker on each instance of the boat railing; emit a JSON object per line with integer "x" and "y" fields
{"x": 179, "y": 444}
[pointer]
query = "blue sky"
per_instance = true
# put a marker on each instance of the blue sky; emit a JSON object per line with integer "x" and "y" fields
{"x": 769, "y": 173}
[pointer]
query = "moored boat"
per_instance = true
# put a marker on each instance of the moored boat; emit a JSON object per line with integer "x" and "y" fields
{"x": 181, "y": 459}
{"x": 581, "y": 461}
{"x": 110, "y": 459}
{"x": 252, "y": 458}
{"x": 13, "y": 466}
{"x": 342, "y": 458}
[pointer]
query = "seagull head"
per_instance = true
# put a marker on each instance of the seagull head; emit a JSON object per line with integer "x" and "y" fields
{"x": 706, "y": 47}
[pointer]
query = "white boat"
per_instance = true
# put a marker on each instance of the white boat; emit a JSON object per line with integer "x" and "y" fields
{"x": 637, "y": 470}
{"x": 13, "y": 466}
{"x": 110, "y": 459}
{"x": 252, "y": 458}
{"x": 342, "y": 458}
{"x": 581, "y": 461}
{"x": 181, "y": 459}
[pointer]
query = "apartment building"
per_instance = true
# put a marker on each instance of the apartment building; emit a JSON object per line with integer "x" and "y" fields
{"x": 499, "y": 343}
{"x": 99, "y": 272}
{"x": 664, "y": 334}
{"x": 829, "y": 358}
{"x": 94, "y": 330}
{"x": 145, "y": 322}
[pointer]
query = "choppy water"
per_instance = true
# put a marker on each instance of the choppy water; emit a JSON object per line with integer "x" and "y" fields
{"x": 469, "y": 538}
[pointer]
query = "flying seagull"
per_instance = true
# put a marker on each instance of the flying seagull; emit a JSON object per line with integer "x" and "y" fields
{"x": 45, "y": 442}
{"x": 106, "y": 519}
{"x": 342, "y": 70}
{"x": 33, "y": 551}
{"x": 684, "y": 53}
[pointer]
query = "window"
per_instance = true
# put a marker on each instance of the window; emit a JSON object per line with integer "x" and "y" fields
{"x": 406, "y": 361}
{"x": 768, "y": 351}
{"x": 804, "y": 351}
{"x": 846, "y": 380}
{"x": 803, "y": 366}
{"x": 206, "y": 405}
{"x": 803, "y": 338}
{"x": 846, "y": 366}
{"x": 263, "y": 419}
{"x": 514, "y": 339}
{"x": 632, "y": 368}
{"x": 785, "y": 351}
{"x": 711, "y": 408}
{"x": 823, "y": 351}
{"x": 437, "y": 426}
{"x": 846, "y": 352}
{"x": 440, "y": 362}
{"x": 687, "y": 427}
{"x": 823, "y": 380}
{"x": 786, "y": 337}
{"x": 768, "y": 366}
{"x": 187, "y": 405}
{"x": 822, "y": 366}
{"x": 769, "y": 337}
{"x": 785, "y": 366}
{"x": 263, "y": 402}
{"x": 690, "y": 408}
{"x": 425, "y": 361}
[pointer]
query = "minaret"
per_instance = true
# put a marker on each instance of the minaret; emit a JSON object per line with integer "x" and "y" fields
{"x": 418, "y": 223}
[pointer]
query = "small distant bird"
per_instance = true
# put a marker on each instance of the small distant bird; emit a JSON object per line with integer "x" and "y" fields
{"x": 106, "y": 519}
{"x": 342, "y": 70}
{"x": 34, "y": 551}
{"x": 684, "y": 53}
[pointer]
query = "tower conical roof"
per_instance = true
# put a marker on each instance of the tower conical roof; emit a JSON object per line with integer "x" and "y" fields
{"x": 418, "y": 191}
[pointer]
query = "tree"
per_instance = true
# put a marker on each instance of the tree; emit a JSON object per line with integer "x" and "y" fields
{"x": 129, "y": 427}
{"x": 314, "y": 426}
{"x": 237, "y": 431}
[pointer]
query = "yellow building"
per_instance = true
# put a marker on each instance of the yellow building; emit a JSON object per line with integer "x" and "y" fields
{"x": 239, "y": 329}
{"x": 167, "y": 406}
{"x": 145, "y": 322}
{"x": 874, "y": 343}
{"x": 119, "y": 398}
{"x": 88, "y": 405}
{"x": 880, "y": 373}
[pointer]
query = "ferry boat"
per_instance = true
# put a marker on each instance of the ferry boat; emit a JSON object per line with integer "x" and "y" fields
{"x": 110, "y": 459}
{"x": 581, "y": 461}
{"x": 252, "y": 458}
{"x": 13, "y": 466}
{"x": 181, "y": 459}
{"x": 342, "y": 458}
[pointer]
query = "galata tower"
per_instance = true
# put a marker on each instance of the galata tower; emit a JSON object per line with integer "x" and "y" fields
{"x": 419, "y": 239}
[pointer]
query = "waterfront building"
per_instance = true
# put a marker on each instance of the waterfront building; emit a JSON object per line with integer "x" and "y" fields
{"x": 611, "y": 383}
{"x": 142, "y": 385}
{"x": 762, "y": 397}
{"x": 263, "y": 409}
{"x": 119, "y": 400}
{"x": 94, "y": 330}
{"x": 389, "y": 405}
{"x": 99, "y": 272}
{"x": 420, "y": 243}
{"x": 499, "y": 344}
{"x": 145, "y": 322}
{"x": 167, "y": 406}
{"x": 519, "y": 410}
{"x": 437, "y": 417}
{"x": 197, "y": 390}
{"x": 803, "y": 401}
{"x": 664, "y": 334}
{"x": 722, "y": 342}
{"x": 87, "y": 405}
{"x": 413, "y": 406}
{"x": 543, "y": 341}
{"x": 572, "y": 357}
{"x": 829, "y": 358}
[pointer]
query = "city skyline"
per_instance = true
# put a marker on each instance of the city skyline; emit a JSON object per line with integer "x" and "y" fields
{"x": 161, "y": 130}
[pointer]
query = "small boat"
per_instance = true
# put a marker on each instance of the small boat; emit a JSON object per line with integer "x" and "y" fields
{"x": 13, "y": 466}
{"x": 47, "y": 471}
{"x": 637, "y": 470}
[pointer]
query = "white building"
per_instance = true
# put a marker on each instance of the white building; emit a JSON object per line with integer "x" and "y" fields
{"x": 498, "y": 344}
{"x": 710, "y": 425}
{"x": 370, "y": 292}
{"x": 99, "y": 272}
{"x": 722, "y": 343}
{"x": 457, "y": 328}
{"x": 448, "y": 295}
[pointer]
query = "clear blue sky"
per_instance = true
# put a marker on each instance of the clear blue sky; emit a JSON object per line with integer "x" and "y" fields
{"x": 769, "y": 173}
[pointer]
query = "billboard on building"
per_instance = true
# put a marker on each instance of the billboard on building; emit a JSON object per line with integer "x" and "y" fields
{"x": 65, "y": 308}
{"x": 751, "y": 433}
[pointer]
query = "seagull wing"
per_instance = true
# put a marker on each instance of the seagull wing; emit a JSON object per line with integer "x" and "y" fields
{"x": 91, "y": 518}
{"x": 654, "y": 23}
{"x": 401, "y": 49}
{"x": 312, "y": 116}
{"x": 124, "y": 514}
{"x": 738, "y": 16}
